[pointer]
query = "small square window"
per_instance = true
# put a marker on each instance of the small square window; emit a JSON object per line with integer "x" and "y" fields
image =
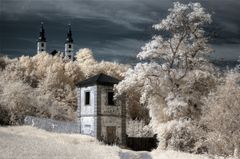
{"x": 87, "y": 98}
{"x": 87, "y": 126}
{"x": 70, "y": 46}
{"x": 110, "y": 98}
{"x": 42, "y": 44}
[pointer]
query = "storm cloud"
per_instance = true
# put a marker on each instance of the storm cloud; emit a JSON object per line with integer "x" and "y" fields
{"x": 112, "y": 28}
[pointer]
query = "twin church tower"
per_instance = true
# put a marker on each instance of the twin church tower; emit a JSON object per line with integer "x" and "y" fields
{"x": 42, "y": 43}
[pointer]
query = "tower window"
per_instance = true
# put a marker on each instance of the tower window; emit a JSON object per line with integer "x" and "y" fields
{"x": 87, "y": 126}
{"x": 41, "y": 49}
{"x": 42, "y": 44}
{"x": 70, "y": 46}
{"x": 87, "y": 98}
{"x": 110, "y": 98}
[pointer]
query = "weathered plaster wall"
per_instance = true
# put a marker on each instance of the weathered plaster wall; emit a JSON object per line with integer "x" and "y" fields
{"x": 88, "y": 109}
{"x": 111, "y": 121}
{"x": 88, "y": 125}
{"x": 87, "y": 113}
{"x": 110, "y": 114}
{"x": 113, "y": 110}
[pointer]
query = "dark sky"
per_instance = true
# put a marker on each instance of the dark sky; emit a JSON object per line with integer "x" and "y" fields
{"x": 113, "y": 29}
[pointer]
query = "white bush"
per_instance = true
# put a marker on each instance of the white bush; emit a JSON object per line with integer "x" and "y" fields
{"x": 136, "y": 128}
{"x": 222, "y": 116}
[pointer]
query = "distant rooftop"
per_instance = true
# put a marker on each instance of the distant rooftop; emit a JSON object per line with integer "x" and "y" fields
{"x": 100, "y": 79}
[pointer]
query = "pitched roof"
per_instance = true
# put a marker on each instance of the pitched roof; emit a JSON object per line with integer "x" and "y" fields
{"x": 100, "y": 79}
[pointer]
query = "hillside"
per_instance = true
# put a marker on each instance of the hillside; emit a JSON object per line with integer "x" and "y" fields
{"x": 28, "y": 142}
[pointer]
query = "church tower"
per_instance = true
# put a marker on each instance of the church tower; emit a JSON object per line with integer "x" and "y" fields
{"x": 98, "y": 113}
{"x": 41, "y": 44}
{"x": 69, "y": 44}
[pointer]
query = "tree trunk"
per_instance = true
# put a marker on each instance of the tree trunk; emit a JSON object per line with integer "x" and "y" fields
{"x": 236, "y": 150}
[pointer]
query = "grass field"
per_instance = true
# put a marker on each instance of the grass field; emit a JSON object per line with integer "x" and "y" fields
{"x": 25, "y": 142}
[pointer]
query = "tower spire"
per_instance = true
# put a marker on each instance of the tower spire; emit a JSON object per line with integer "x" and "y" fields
{"x": 41, "y": 44}
{"x": 69, "y": 35}
{"x": 69, "y": 44}
{"x": 42, "y": 37}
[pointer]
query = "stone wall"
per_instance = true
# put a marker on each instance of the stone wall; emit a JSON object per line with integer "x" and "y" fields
{"x": 52, "y": 125}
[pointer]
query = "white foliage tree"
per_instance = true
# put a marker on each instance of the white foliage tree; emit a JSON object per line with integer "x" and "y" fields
{"x": 19, "y": 100}
{"x": 175, "y": 75}
{"x": 45, "y": 82}
{"x": 222, "y": 116}
{"x": 91, "y": 67}
{"x": 85, "y": 56}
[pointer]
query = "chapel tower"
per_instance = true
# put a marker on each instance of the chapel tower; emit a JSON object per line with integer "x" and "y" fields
{"x": 41, "y": 43}
{"x": 99, "y": 114}
{"x": 69, "y": 44}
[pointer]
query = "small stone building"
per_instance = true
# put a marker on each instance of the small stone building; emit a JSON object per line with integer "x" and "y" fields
{"x": 99, "y": 114}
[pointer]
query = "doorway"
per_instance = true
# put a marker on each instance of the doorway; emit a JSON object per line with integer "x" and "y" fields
{"x": 111, "y": 134}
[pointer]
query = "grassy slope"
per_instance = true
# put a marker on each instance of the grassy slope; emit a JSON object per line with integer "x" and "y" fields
{"x": 25, "y": 142}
